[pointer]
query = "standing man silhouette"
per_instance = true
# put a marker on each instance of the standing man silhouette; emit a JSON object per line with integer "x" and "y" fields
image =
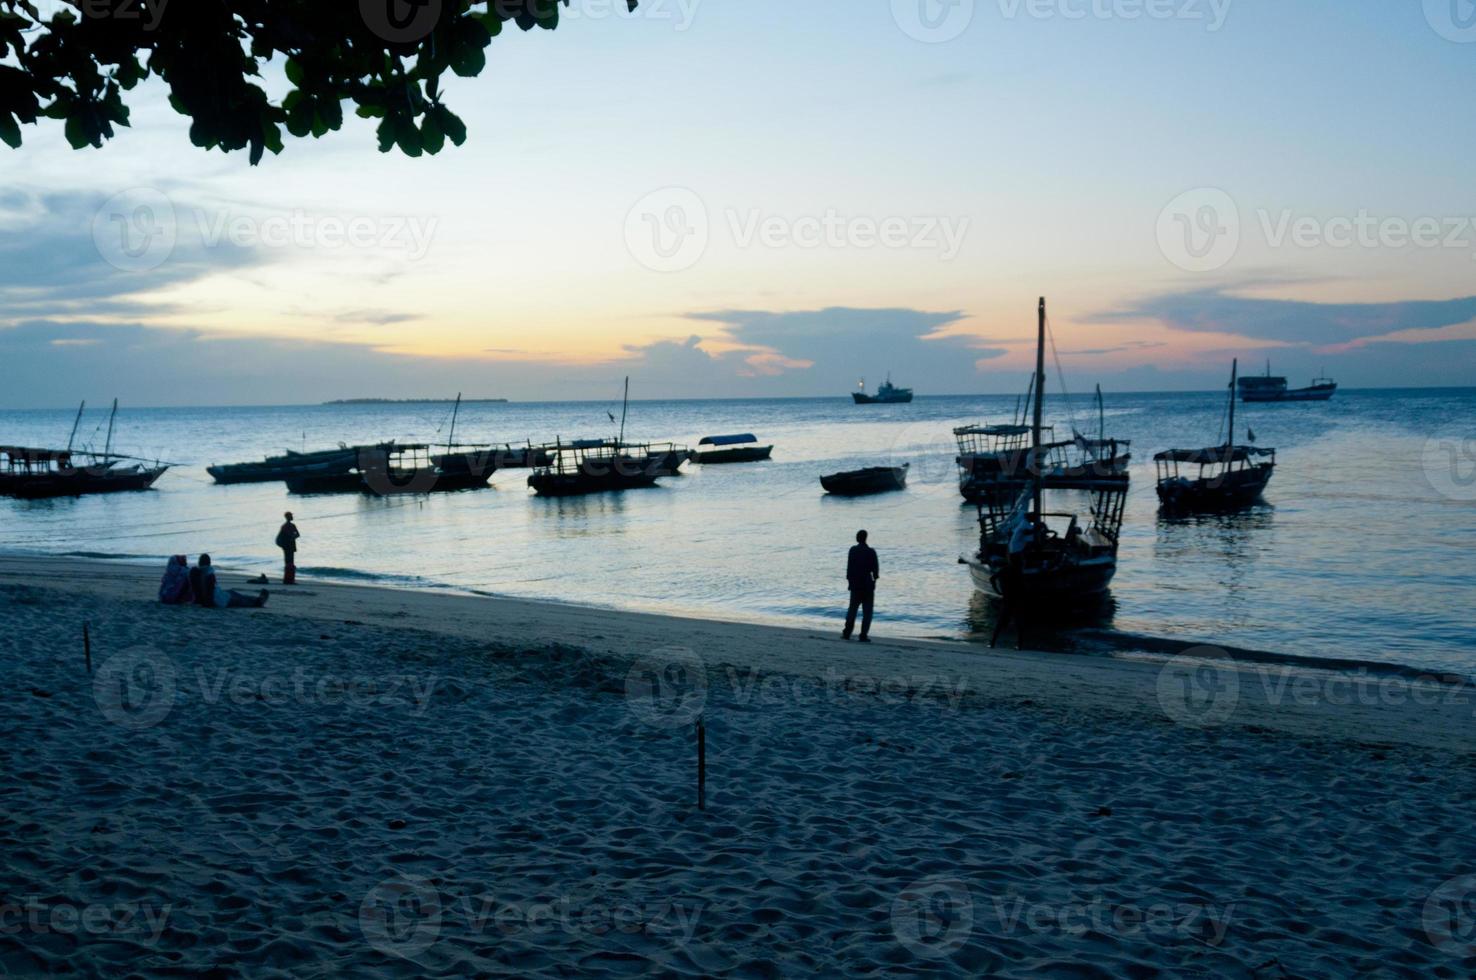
{"x": 862, "y": 571}
{"x": 287, "y": 541}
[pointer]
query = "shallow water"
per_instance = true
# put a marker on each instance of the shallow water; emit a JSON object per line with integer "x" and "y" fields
{"x": 1362, "y": 549}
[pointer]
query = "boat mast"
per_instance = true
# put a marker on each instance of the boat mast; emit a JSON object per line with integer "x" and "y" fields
{"x": 108, "y": 445}
{"x": 451, "y": 436}
{"x": 1101, "y": 418}
{"x": 624, "y": 405}
{"x": 1035, "y": 477}
{"x": 1234, "y": 367}
{"x": 75, "y": 423}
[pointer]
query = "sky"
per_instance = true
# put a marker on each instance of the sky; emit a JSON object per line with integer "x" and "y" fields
{"x": 775, "y": 199}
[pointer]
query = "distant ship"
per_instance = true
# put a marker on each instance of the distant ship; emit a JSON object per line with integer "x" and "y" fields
{"x": 887, "y": 394}
{"x": 1270, "y": 388}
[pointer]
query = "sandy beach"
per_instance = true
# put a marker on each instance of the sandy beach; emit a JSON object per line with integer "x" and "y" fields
{"x": 401, "y": 783}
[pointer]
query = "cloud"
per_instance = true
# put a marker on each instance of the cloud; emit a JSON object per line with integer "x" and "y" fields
{"x": 1281, "y": 321}
{"x": 51, "y": 265}
{"x": 836, "y": 345}
{"x": 1119, "y": 349}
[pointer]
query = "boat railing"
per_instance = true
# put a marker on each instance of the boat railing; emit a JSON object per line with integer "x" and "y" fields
{"x": 598, "y": 458}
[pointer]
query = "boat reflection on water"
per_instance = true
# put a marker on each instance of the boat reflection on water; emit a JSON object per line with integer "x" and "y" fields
{"x": 1056, "y": 633}
{"x": 580, "y": 515}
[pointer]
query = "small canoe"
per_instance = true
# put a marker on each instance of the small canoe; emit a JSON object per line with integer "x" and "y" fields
{"x": 873, "y": 479}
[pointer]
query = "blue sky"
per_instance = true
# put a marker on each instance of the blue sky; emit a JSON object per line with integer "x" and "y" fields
{"x": 695, "y": 195}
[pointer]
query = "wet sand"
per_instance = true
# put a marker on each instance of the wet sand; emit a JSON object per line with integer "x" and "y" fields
{"x": 380, "y": 781}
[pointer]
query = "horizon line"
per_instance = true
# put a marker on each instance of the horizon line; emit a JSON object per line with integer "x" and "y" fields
{"x": 356, "y": 403}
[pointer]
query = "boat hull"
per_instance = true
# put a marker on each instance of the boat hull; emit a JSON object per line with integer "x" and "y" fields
{"x": 858, "y": 483}
{"x": 1229, "y": 491}
{"x": 741, "y": 454}
{"x": 382, "y": 484}
{"x": 1065, "y": 585}
{"x": 551, "y": 484}
{"x": 666, "y": 462}
{"x": 79, "y": 482}
{"x": 861, "y": 398}
{"x": 1316, "y": 393}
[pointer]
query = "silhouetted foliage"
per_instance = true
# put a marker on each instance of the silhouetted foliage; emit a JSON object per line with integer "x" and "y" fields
{"x": 386, "y": 57}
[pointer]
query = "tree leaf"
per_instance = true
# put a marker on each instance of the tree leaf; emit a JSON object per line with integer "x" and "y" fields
{"x": 431, "y": 135}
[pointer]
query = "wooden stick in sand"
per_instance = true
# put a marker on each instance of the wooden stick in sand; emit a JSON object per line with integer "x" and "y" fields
{"x": 701, "y": 765}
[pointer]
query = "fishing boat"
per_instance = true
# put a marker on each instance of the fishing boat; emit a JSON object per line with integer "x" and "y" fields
{"x": 1228, "y": 476}
{"x": 407, "y": 468}
{"x": 872, "y": 479}
{"x": 459, "y": 467}
{"x": 1272, "y": 388}
{"x": 994, "y": 460}
{"x": 592, "y": 466}
{"x": 38, "y": 473}
{"x": 394, "y": 468}
{"x": 510, "y": 457}
{"x": 887, "y": 394}
{"x": 323, "y": 461}
{"x": 738, "y": 448}
{"x": 1022, "y": 558}
{"x": 601, "y": 465}
{"x": 368, "y": 460}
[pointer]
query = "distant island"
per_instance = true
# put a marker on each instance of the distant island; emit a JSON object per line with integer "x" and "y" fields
{"x": 413, "y": 401}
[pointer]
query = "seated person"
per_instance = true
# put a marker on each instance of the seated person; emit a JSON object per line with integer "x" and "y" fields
{"x": 209, "y": 593}
{"x": 175, "y": 589}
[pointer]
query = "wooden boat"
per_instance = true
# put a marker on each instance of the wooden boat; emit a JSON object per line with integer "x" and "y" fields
{"x": 740, "y": 448}
{"x": 406, "y": 468}
{"x": 592, "y": 466}
{"x": 1228, "y": 476}
{"x": 601, "y": 465}
{"x": 1271, "y": 388}
{"x": 887, "y": 394}
{"x": 510, "y": 457}
{"x": 39, "y": 473}
{"x": 370, "y": 459}
{"x": 872, "y": 479}
{"x": 1025, "y": 561}
{"x": 994, "y": 460}
{"x": 324, "y": 461}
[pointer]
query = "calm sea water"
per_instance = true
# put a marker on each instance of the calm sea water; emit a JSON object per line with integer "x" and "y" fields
{"x": 1363, "y": 548}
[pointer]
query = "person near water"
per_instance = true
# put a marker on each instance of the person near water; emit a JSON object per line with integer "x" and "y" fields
{"x": 862, "y": 571}
{"x": 209, "y": 593}
{"x": 287, "y": 537}
{"x": 175, "y": 590}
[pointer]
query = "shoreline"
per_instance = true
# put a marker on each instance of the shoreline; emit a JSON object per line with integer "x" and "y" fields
{"x": 1087, "y": 641}
{"x": 1397, "y": 707}
{"x": 355, "y": 780}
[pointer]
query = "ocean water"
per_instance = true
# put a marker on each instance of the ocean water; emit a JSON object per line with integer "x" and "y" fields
{"x": 1362, "y": 549}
